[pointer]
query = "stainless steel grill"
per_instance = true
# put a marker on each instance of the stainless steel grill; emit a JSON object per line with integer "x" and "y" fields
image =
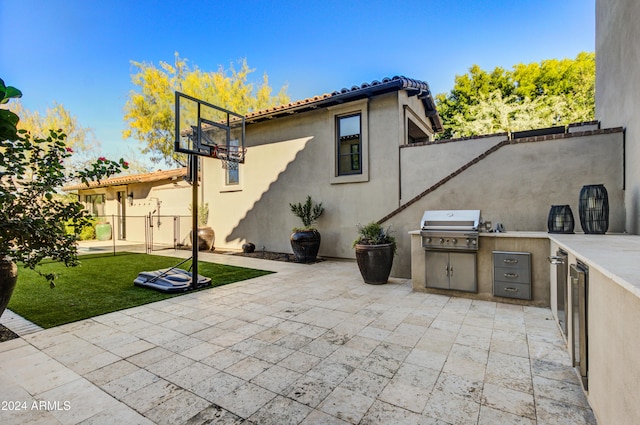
{"x": 450, "y": 230}
{"x": 450, "y": 241}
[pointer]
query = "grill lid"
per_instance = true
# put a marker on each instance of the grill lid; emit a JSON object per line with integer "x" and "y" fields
{"x": 450, "y": 220}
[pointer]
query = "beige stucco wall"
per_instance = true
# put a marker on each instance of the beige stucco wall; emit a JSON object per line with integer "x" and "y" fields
{"x": 618, "y": 87}
{"x": 424, "y": 165}
{"x": 290, "y": 158}
{"x": 517, "y": 184}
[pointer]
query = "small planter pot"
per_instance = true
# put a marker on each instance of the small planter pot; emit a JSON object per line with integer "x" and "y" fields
{"x": 374, "y": 262}
{"x": 305, "y": 245}
{"x": 103, "y": 231}
{"x": 8, "y": 279}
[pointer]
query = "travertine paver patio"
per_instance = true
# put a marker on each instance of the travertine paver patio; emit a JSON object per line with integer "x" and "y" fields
{"x": 307, "y": 345}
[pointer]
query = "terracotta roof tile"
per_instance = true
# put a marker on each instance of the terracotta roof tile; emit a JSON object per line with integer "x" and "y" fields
{"x": 130, "y": 179}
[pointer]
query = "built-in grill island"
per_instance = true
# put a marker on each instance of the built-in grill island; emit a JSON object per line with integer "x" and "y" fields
{"x": 450, "y": 242}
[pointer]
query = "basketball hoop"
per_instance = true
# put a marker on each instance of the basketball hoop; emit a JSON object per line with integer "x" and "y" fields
{"x": 229, "y": 156}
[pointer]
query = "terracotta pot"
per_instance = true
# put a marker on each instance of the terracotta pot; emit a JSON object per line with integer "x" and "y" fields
{"x": 305, "y": 245}
{"x": 8, "y": 279}
{"x": 374, "y": 262}
{"x": 206, "y": 238}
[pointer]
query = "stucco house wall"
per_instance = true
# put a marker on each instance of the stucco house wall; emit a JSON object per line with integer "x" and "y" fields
{"x": 292, "y": 157}
{"x": 163, "y": 194}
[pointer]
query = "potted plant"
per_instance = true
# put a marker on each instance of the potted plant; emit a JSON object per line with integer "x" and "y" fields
{"x": 206, "y": 235}
{"x": 34, "y": 218}
{"x": 375, "y": 248}
{"x": 305, "y": 241}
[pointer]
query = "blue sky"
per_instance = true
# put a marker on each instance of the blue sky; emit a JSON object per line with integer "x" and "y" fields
{"x": 78, "y": 52}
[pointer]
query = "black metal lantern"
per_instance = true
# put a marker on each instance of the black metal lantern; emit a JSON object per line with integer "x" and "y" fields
{"x": 560, "y": 219}
{"x": 594, "y": 209}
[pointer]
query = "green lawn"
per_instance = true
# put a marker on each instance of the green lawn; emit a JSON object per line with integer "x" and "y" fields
{"x": 101, "y": 284}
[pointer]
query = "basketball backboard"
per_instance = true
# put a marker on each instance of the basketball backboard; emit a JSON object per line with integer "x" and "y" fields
{"x": 204, "y": 129}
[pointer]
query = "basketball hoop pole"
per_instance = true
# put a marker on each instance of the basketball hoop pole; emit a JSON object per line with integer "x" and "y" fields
{"x": 194, "y": 219}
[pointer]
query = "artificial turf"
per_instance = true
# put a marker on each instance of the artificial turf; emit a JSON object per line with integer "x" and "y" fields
{"x": 102, "y": 284}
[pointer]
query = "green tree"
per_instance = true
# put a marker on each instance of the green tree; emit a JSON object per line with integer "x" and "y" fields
{"x": 81, "y": 139}
{"x": 552, "y": 92}
{"x": 149, "y": 110}
{"x": 32, "y": 216}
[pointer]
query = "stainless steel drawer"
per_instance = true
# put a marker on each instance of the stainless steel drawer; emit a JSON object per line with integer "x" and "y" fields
{"x": 505, "y": 274}
{"x": 512, "y": 290}
{"x": 514, "y": 260}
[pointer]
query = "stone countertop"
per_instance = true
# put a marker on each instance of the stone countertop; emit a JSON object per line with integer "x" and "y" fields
{"x": 616, "y": 256}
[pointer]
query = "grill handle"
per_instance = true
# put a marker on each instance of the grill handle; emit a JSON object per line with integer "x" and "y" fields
{"x": 556, "y": 260}
{"x": 511, "y": 289}
{"x": 511, "y": 275}
{"x": 510, "y": 261}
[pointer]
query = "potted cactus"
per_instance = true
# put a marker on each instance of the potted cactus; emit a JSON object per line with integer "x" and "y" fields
{"x": 305, "y": 241}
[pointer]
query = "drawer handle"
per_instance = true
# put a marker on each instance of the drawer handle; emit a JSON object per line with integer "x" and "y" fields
{"x": 511, "y": 275}
{"x": 510, "y": 261}
{"x": 511, "y": 289}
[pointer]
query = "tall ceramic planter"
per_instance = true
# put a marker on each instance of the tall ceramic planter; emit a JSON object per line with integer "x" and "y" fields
{"x": 8, "y": 279}
{"x": 374, "y": 262}
{"x": 305, "y": 245}
{"x": 206, "y": 238}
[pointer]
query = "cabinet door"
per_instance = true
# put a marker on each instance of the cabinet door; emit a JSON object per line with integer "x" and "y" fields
{"x": 437, "y": 265}
{"x": 462, "y": 271}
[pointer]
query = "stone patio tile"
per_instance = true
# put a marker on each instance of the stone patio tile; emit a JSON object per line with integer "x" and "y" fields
{"x": 149, "y": 357}
{"x": 279, "y": 411}
{"x": 150, "y": 396}
{"x": 293, "y": 341}
{"x": 310, "y": 331}
{"x": 553, "y": 370}
{"x": 448, "y": 383}
{"x": 223, "y": 359}
{"x": 201, "y": 351}
{"x": 48, "y": 338}
{"x": 182, "y": 344}
{"x": 551, "y": 352}
{"x": 169, "y": 365}
{"x": 111, "y": 372}
{"x": 402, "y": 394}
{"x": 379, "y": 364}
{"x": 177, "y": 408}
{"x": 228, "y": 339}
{"x": 452, "y": 408}
{"x": 86, "y": 365}
{"x": 490, "y": 416}
{"x": 273, "y": 353}
{"x": 426, "y": 358}
{"x": 317, "y": 417}
{"x": 77, "y": 400}
{"x": 300, "y": 362}
{"x": 403, "y": 339}
{"x": 437, "y": 341}
{"x": 509, "y": 371}
{"x": 346, "y": 405}
{"x": 130, "y": 383}
{"x": 508, "y": 400}
{"x": 365, "y": 383}
{"x": 385, "y": 413}
{"x": 331, "y": 372}
{"x": 192, "y": 375}
{"x": 248, "y": 368}
{"x": 37, "y": 372}
{"x": 245, "y": 400}
{"x": 477, "y": 341}
{"x": 520, "y": 349}
{"x": 266, "y": 334}
{"x": 163, "y": 338}
{"x": 217, "y": 386}
{"x": 12, "y": 344}
{"x": 373, "y": 332}
{"x": 553, "y": 412}
{"x": 215, "y": 415}
{"x": 120, "y": 414}
{"x": 320, "y": 347}
{"x": 277, "y": 379}
{"x": 466, "y": 363}
{"x": 561, "y": 391}
{"x": 309, "y": 390}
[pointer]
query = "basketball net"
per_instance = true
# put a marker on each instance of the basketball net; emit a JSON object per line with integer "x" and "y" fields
{"x": 230, "y": 158}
